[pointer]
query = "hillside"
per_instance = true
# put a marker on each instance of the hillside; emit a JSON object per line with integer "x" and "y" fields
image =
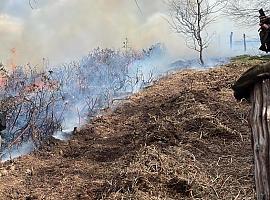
{"x": 185, "y": 137}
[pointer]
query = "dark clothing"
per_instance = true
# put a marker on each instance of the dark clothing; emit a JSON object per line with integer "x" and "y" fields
{"x": 265, "y": 40}
{"x": 265, "y": 36}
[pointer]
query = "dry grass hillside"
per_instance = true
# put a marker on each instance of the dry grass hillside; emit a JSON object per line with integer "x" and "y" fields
{"x": 185, "y": 137}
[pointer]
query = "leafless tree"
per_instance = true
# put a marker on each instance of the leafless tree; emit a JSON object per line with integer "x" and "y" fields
{"x": 245, "y": 12}
{"x": 191, "y": 18}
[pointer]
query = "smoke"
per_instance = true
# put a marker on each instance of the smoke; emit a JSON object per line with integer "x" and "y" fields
{"x": 17, "y": 151}
{"x": 64, "y": 30}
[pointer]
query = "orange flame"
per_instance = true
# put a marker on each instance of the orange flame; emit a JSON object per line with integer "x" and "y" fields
{"x": 3, "y": 81}
{"x": 12, "y": 61}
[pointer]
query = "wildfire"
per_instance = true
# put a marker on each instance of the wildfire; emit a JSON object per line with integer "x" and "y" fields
{"x": 12, "y": 61}
{"x": 40, "y": 84}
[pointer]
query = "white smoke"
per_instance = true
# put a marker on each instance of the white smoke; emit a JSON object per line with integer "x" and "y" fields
{"x": 64, "y": 30}
{"x": 17, "y": 151}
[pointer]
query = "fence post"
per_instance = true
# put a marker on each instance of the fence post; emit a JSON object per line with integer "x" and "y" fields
{"x": 231, "y": 40}
{"x": 260, "y": 127}
{"x": 254, "y": 85}
{"x": 245, "y": 42}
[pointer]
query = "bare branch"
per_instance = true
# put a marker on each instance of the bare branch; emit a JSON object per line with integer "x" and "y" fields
{"x": 138, "y": 6}
{"x": 245, "y": 12}
{"x": 191, "y": 19}
{"x": 30, "y": 2}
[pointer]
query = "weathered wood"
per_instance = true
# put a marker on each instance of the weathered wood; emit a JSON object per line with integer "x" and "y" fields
{"x": 260, "y": 126}
{"x": 244, "y": 85}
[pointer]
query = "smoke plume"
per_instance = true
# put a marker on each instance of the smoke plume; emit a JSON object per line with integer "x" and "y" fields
{"x": 64, "y": 30}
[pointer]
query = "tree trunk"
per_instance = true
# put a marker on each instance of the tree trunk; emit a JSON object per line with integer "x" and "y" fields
{"x": 199, "y": 31}
{"x": 260, "y": 126}
{"x": 201, "y": 56}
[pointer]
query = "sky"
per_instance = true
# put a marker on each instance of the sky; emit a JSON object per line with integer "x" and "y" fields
{"x": 64, "y": 30}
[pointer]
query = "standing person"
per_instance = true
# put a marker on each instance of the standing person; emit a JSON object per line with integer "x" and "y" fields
{"x": 264, "y": 32}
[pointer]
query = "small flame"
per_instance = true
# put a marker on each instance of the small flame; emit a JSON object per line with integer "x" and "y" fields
{"x": 41, "y": 85}
{"x": 3, "y": 81}
{"x": 12, "y": 61}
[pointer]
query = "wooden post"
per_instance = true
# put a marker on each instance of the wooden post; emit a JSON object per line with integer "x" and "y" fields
{"x": 254, "y": 85}
{"x": 245, "y": 42}
{"x": 231, "y": 40}
{"x": 260, "y": 126}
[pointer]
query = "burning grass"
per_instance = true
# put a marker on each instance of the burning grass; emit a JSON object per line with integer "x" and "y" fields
{"x": 185, "y": 137}
{"x": 38, "y": 104}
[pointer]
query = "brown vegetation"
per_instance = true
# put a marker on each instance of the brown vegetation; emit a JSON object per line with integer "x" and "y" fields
{"x": 183, "y": 138}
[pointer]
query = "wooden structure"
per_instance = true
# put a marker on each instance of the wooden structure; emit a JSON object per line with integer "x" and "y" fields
{"x": 254, "y": 85}
{"x": 260, "y": 126}
{"x": 231, "y": 40}
{"x": 245, "y": 42}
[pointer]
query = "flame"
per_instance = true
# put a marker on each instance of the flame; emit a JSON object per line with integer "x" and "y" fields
{"x": 13, "y": 58}
{"x": 3, "y": 81}
{"x": 39, "y": 84}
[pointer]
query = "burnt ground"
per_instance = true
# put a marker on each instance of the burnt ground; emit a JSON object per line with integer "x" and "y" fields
{"x": 185, "y": 137}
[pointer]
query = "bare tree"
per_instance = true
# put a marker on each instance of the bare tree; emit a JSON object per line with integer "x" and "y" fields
{"x": 245, "y": 12}
{"x": 191, "y": 18}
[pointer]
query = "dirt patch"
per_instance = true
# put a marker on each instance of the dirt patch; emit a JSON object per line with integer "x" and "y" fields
{"x": 183, "y": 138}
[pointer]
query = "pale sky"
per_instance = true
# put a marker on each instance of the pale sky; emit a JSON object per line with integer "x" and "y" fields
{"x": 63, "y": 30}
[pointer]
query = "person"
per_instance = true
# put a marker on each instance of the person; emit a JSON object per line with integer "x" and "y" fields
{"x": 264, "y": 22}
{"x": 265, "y": 33}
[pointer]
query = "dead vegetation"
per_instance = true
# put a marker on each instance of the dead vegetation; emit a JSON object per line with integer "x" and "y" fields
{"x": 183, "y": 138}
{"x": 37, "y": 103}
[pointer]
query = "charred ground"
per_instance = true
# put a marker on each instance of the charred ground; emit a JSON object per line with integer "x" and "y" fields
{"x": 185, "y": 137}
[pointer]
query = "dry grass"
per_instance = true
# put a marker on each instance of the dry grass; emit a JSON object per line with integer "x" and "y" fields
{"x": 183, "y": 138}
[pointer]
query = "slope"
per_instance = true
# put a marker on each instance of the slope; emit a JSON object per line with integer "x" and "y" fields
{"x": 185, "y": 137}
